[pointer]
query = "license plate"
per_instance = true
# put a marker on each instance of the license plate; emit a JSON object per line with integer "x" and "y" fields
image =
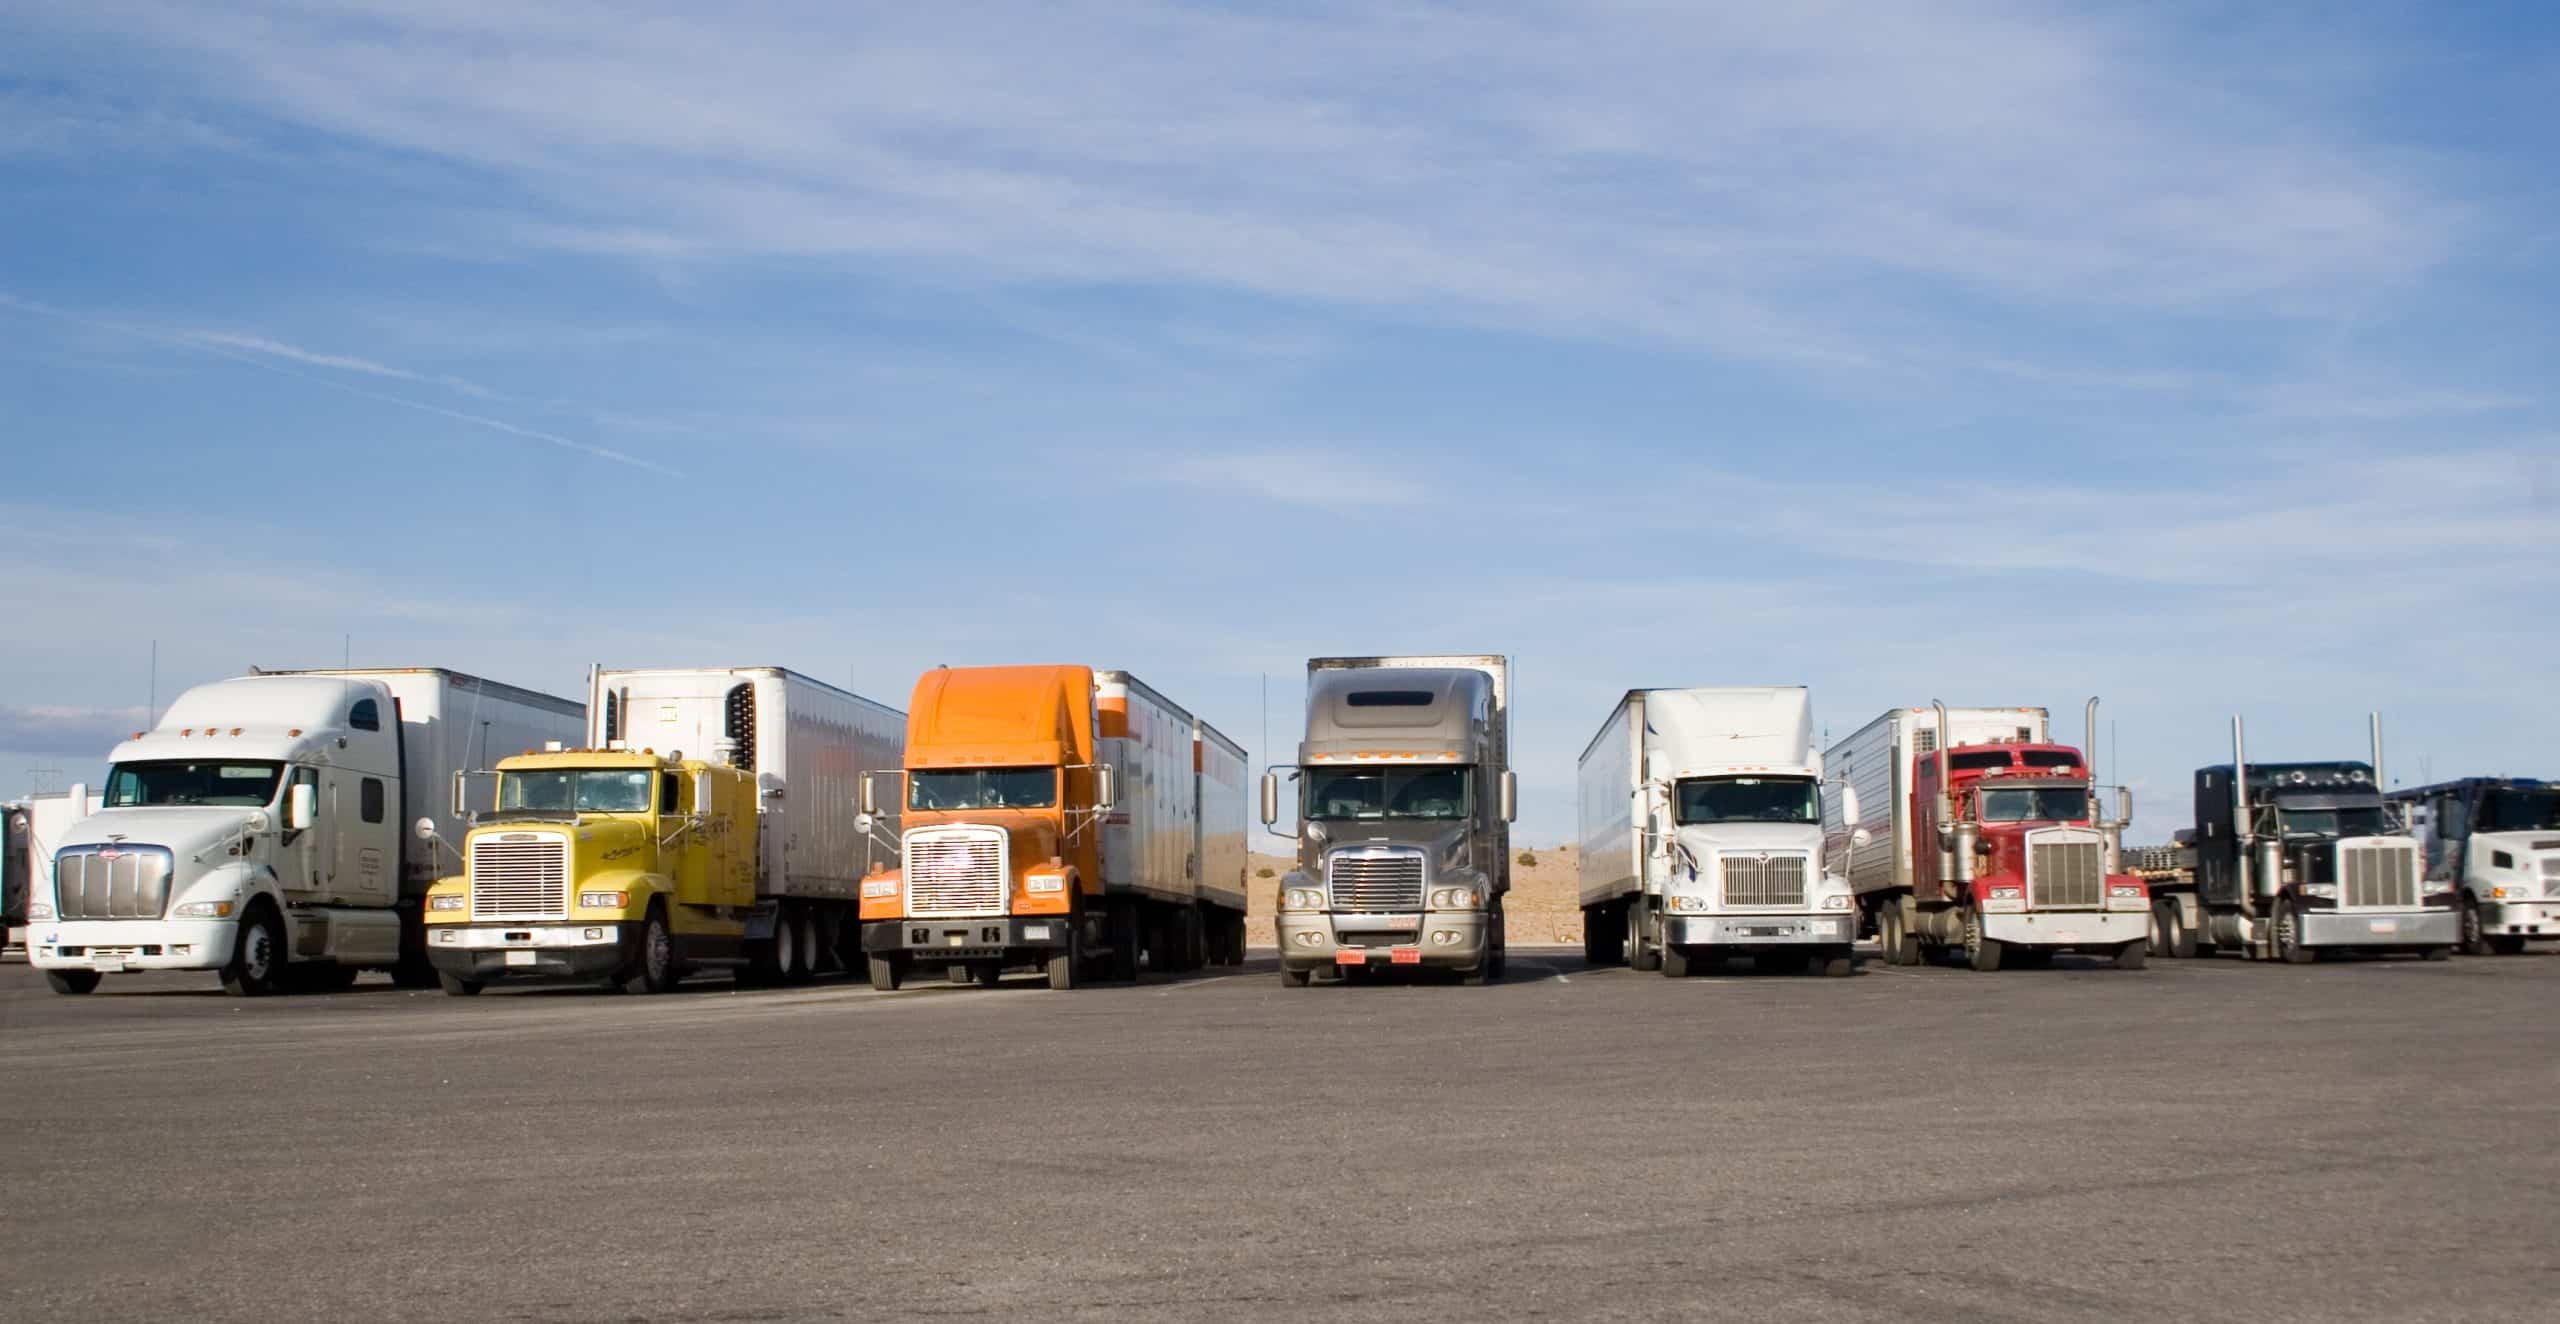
{"x": 523, "y": 958}
{"x": 107, "y": 965}
{"x": 2066, "y": 935}
{"x": 1405, "y": 955}
{"x": 2385, "y": 925}
{"x": 1350, "y": 956}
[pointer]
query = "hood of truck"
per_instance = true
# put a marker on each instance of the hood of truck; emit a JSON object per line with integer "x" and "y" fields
{"x": 182, "y": 830}
{"x": 1704, "y": 838}
{"x": 1448, "y": 844}
{"x": 1031, "y": 835}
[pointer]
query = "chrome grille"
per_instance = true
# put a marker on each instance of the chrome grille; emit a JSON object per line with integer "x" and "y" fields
{"x": 111, "y": 882}
{"x": 2070, "y": 874}
{"x": 2377, "y": 876}
{"x": 519, "y": 875}
{"x": 2551, "y": 866}
{"x": 955, "y": 874}
{"x": 1762, "y": 880}
{"x": 1384, "y": 881}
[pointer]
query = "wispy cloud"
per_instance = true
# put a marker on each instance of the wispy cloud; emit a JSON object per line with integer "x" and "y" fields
{"x": 67, "y": 732}
{"x": 276, "y": 349}
{"x": 1314, "y": 477}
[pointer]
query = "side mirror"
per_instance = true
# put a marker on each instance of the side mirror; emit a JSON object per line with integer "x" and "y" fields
{"x": 1510, "y": 795}
{"x": 458, "y": 810}
{"x": 1860, "y": 836}
{"x": 2124, "y": 806}
{"x": 1849, "y": 808}
{"x": 1270, "y": 798}
{"x": 870, "y": 800}
{"x": 864, "y": 822}
{"x": 424, "y": 829}
{"x": 1106, "y": 788}
{"x": 301, "y": 805}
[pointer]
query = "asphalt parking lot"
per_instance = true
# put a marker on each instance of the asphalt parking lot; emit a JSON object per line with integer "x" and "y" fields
{"x": 2374, "y": 1140}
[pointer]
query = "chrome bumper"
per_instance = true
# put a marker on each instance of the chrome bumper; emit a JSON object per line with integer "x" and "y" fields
{"x": 2069, "y": 928}
{"x": 1311, "y": 940}
{"x": 117, "y": 945}
{"x": 2398, "y": 928}
{"x": 1835, "y": 929}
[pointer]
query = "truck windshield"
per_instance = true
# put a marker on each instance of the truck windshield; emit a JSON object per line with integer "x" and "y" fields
{"x": 182, "y": 782}
{"x": 1447, "y": 792}
{"x": 1749, "y": 800}
{"x": 2365, "y": 822}
{"x": 587, "y": 791}
{"x": 983, "y": 788}
{"x": 2514, "y": 809}
{"x": 2035, "y": 804}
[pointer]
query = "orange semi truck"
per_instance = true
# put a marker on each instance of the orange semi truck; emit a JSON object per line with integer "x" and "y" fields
{"x": 1061, "y": 817}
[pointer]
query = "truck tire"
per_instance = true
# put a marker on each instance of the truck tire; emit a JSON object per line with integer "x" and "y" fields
{"x": 1604, "y": 936}
{"x": 887, "y": 972}
{"x": 455, "y": 986}
{"x": 1675, "y": 962}
{"x": 257, "y": 964}
{"x": 659, "y": 971}
{"x": 786, "y": 967}
{"x": 72, "y": 983}
{"x": 1296, "y": 978}
{"x": 1235, "y": 939}
{"x": 2288, "y": 936}
{"x": 2181, "y": 940}
{"x": 1900, "y": 948}
{"x": 1067, "y": 963}
{"x": 1123, "y": 916}
{"x": 2133, "y": 955}
{"x": 1836, "y": 965}
{"x": 2474, "y": 942}
{"x": 1980, "y": 952}
{"x": 1499, "y": 958}
{"x": 1641, "y": 955}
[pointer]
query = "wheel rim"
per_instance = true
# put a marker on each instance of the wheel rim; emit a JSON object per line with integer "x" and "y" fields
{"x": 2287, "y": 940}
{"x": 2470, "y": 925}
{"x": 661, "y": 950}
{"x": 257, "y": 953}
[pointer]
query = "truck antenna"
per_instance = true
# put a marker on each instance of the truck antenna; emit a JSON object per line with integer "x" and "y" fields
{"x": 151, "y": 710}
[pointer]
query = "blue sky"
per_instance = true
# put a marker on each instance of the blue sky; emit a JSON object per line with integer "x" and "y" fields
{"x": 1998, "y": 353}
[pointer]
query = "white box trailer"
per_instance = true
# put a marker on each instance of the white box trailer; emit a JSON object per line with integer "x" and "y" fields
{"x": 264, "y": 827}
{"x": 1151, "y": 836}
{"x": 809, "y": 744}
{"x": 1701, "y": 834}
{"x": 1221, "y": 768}
{"x": 1877, "y": 760}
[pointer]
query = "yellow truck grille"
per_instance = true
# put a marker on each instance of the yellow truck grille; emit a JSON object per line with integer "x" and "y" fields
{"x": 519, "y": 875}
{"x": 955, "y": 875}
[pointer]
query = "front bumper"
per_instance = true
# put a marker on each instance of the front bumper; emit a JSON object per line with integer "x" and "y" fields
{"x": 2069, "y": 928}
{"x": 988, "y": 938}
{"x": 1825, "y": 929}
{"x": 116, "y": 945}
{"x": 2530, "y": 919}
{"x": 1439, "y": 940}
{"x": 2397, "y": 928}
{"x": 486, "y": 953}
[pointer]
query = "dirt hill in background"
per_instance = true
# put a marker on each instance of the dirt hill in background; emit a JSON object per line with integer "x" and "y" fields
{"x": 1543, "y": 905}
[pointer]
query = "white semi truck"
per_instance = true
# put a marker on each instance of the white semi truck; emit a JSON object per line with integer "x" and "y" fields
{"x": 1701, "y": 833}
{"x": 261, "y": 829}
{"x": 2495, "y": 843}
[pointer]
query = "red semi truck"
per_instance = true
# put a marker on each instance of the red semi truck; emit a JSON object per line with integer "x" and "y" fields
{"x": 1988, "y": 844}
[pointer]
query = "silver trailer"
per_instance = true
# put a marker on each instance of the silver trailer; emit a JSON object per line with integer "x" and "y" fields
{"x": 810, "y": 745}
{"x": 1405, "y": 801}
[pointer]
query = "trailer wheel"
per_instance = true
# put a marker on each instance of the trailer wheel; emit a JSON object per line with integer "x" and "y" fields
{"x": 2180, "y": 941}
{"x": 887, "y": 972}
{"x": 1900, "y": 948}
{"x": 1235, "y": 939}
{"x": 455, "y": 986}
{"x": 2132, "y": 955}
{"x": 1980, "y": 952}
{"x": 1641, "y": 955}
{"x": 72, "y": 983}
{"x": 258, "y": 957}
{"x": 659, "y": 970}
{"x": 2288, "y": 936}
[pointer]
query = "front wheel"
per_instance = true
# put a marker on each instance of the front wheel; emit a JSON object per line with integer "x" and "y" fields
{"x": 1067, "y": 962}
{"x": 1641, "y": 955}
{"x": 2474, "y": 941}
{"x": 2132, "y": 955}
{"x": 2288, "y": 936}
{"x": 1837, "y": 965}
{"x": 1980, "y": 952}
{"x": 257, "y": 957}
{"x": 887, "y": 972}
{"x": 659, "y": 972}
{"x": 455, "y": 986}
{"x": 72, "y": 983}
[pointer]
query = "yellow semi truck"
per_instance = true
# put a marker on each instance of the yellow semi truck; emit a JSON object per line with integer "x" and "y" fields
{"x": 613, "y": 866}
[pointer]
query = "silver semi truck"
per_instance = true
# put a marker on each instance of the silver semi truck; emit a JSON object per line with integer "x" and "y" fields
{"x": 1405, "y": 802}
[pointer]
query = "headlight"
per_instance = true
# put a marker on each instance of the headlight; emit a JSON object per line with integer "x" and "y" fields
{"x": 2325, "y": 891}
{"x": 1835, "y": 903}
{"x": 1047, "y": 882}
{"x": 2010, "y": 898}
{"x": 448, "y": 901}
{"x": 875, "y": 888}
{"x": 1683, "y": 904}
{"x": 1456, "y": 898}
{"x": 202, "y": 910}
{"x": 2128, "y": 891}
{"x": 39, "y": 910}
{"x": 1302, "y": 898}
{"x": 603, "y": 900}
{"x": 2007, "y": 893}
